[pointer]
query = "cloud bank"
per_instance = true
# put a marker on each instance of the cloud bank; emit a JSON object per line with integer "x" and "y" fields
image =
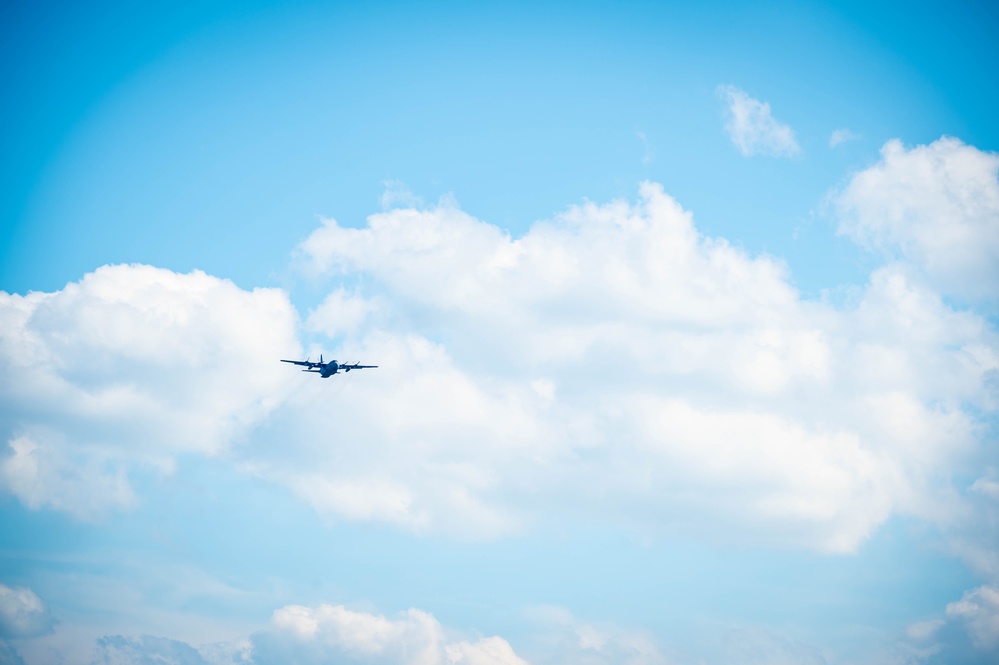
{"x": 615, "y": 361}
{"x": 612, "y": 364}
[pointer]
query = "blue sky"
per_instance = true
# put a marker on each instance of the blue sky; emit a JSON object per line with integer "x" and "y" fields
{"x": 685, "y": 318}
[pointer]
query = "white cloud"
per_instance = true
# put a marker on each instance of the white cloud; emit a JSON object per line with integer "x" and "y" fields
{"x": 682, "y": 383}
{"x": 22, "y": 613}
{"x": 841, "y": 136}
{"x": 127, "y": 368}
{"x": 333, "y": 633}
{"x": 978, "y": 609}
{"x": 81, "y": 483}
{"x": 611, "y": 362}
{"x": 937, "y": 207}
{"x": 317, "y": 635}
{"x": 486, "y": 651}
{"x": 753, "y": 129}
{"x": 340, "y": 313}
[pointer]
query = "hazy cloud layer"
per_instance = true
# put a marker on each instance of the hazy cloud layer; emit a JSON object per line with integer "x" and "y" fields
{"x": 752, "y": 127}
{"x": 325, "y": 633}
{"x": 9, "y": 655}
{"x": 148, "y": 649}
{"x": 757, "y": 646}
{"x": 564, "y": 638}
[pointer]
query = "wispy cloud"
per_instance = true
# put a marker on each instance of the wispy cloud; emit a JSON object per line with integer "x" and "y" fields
{"x": 841, "y": 136}
{"x": 979, "y": 610}
{"x": 752, "y": 127}
{"x": 398, "y": 195}
{"x": 649, "y": 155}
{"x": 924, "y": 630}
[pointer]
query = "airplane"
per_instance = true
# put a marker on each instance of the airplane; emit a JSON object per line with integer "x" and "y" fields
{"x": 326, "y": 370}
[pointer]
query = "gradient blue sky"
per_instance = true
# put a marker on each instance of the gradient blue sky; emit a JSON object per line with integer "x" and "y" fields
{"x": 151, "y": 511}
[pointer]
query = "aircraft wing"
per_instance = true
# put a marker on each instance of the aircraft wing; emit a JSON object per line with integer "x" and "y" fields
{"x": 347, "y": 368}
{"x": 303, "y": 363}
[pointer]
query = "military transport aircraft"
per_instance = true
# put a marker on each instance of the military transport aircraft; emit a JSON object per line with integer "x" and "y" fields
{"x": 326, "y": 370}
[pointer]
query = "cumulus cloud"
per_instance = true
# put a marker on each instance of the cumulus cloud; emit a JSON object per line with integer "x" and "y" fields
{"x": 333, "y": 633}
{"x": 340, "y": 313}
{"x": 127, "y": 368}
{"x": 22, "y": 613}
{"x": 752, "y": 127}
{"x": 972, "y": 536}
{"x": 615, "y": 361}
{"x": 937, "y": 207}
{"x": 612, "y": 362}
